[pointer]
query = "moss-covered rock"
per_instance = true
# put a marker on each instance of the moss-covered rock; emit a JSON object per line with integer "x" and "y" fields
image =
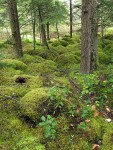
{"x": 30, "y": 104}
{"x": 16, "y": 64}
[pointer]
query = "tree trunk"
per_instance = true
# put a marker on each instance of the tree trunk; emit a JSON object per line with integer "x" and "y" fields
{"x": 48, "y": 35}
{"x": 34, "y": 26}
{"x": 71, "y": 20}
{"x": 14, "y": 22}
{"x": 58, "y": 36}
{"x": 43, "y": 33}
{"x": 89, "y": 36}
{"x": 94, "y": 35}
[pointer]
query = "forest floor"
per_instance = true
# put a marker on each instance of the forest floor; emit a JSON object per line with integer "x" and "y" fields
{"x": 46, "y": 104}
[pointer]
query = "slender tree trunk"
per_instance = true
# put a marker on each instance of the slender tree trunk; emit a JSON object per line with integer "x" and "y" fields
{"x": 102, "y": 31}
{"x": 14, "y": 22}
{"x": 89, "y": 36}
{"x": 34, "y": 27}
{"x": 71, "y": 19}
{"x": 43, "y": 33}
{"x": 58, "y": 36}
{"x": 48, "y": 33}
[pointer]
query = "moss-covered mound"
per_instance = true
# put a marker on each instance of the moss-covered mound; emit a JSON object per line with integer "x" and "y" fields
{"x": 45, "y": 67}
{"x": 6, "y": 92}
{"x": 67, "y": 59}
{"x": 16, "y": 64}
{"x": 18, "y": 135}
{"x": 31, "y": 103}
{"x": 31, "y": 82}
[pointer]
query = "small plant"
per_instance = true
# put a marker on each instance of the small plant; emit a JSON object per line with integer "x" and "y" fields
{"x": 49, "y": 125}
{"x": 58, "y": 94}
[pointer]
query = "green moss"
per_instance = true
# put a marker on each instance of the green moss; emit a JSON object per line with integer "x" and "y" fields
{"x": 27, "y": 58}
{"x": 31, "y": 81}
{"x": 45, "y": 67}
{"x": 67, "y": 59}
{"x": 108, "y": 36}
{"x": 107, "y": 142}
{"x": 82, "y": 144}
{"x": 76, "y": 38}
{"x": 64, "y": 43}
{"x": 68, "y": 39}
{"x": 104, "y": 58}
{"x": 10, "y": 72}
{"x": 6, "y": 91}
{"x": 16, "y": 64}
{"x": 95, "y": 130}
{"x": 30, "y": 104}
{"x": 18, "y": 135}
{"x": 56, "y": 43}
{"x": 73, "y": 48}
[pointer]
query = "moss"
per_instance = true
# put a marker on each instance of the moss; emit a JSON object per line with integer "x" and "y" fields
{"x": 62, "y": 142}
{"x": 76, "y": 38}
{"x": 103, "y": 58}
{"x": 16, "y": 64}
{"x": 108, "y": 36}
{"x": 107, "y": 142}
{"x": 10, "y": 72}
{"x": 27, "y": 58}
{"x": 18, "y": 135}
{"x": 6, "y": 91}
{"x": 56, "y": 43}
{"x": 73, "y": 48}
{"x": 68, "y": 39}
{"x": 45, "y": 67}
{"x": 109, "y": 49}
{"x": 64, "y": 43}
{"x": 82, "y": 144}
{"x": 95, "y": 129}
{"x": 30, "y": 103}
{"x": 59, "y": 49}
{"x": 31, "y": 81}
{"x": 67, "y": 59}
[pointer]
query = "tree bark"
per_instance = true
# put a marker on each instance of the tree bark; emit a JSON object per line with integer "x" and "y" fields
{"x": 58, "y": 36}
{"x": 14, "y": 22}
{"x": 48, "y": 33}
{"x": 94, "y": 35}
{"x": 43, "y": 33}
{"x": 89, "y": 36}
{"x": 71, "y": 20}
{"x": 34, "y": 26}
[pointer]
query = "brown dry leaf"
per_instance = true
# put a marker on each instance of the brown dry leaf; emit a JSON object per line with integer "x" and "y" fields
{"x": 108, "y": 109}
{"x": 96, "y": 114}
{"x": 87, "y": 120}
{"x": 96, "y": 147}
